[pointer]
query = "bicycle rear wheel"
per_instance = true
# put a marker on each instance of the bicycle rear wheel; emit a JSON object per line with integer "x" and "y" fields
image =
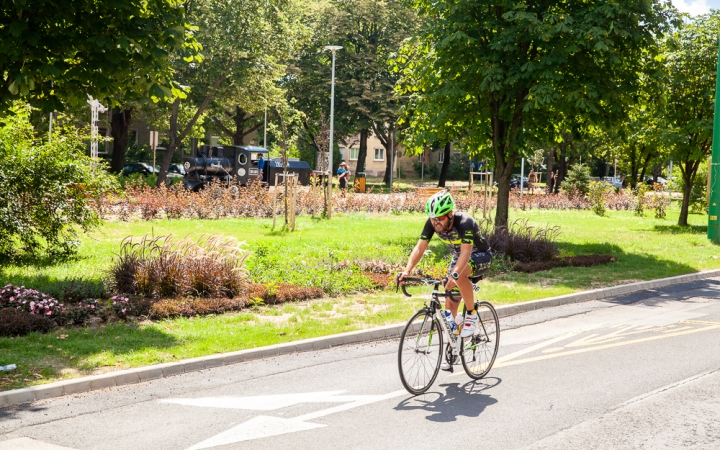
{"x": 420, "y": 352}
{"x": 480, "y": 349}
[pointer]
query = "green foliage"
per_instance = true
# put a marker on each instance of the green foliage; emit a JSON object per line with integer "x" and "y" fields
{"x": 660, "y": 202}
{"x": 689, "y": 63}
{"x": 48, "y": 189}
{"x": 577, "y": 180}
{"x": 640, "y": 199}
{"x": 698, "y": 193}
{"x": 52, "y": 53}
{"x": 597, "y": 194}
{"x": 497, "y": 74}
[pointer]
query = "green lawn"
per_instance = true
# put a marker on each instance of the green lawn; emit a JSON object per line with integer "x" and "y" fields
{"x": 645, "y": 248}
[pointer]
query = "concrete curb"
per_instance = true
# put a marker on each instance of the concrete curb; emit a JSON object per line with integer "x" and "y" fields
{"x": 142, "y": 374}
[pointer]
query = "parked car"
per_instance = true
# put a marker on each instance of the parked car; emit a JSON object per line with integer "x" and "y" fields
{"x": 515, "y": 182}
{"x": 661, "y": 180}
{"x": 613, "y": 181}
{"x": 138, "y": 167}
{"x": 176, "y": 171}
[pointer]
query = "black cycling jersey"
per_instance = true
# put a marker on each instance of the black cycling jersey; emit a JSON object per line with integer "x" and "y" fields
{"x": 463, "y": 231}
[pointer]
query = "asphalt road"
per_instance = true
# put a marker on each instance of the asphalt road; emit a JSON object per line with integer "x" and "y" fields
{"x": 640, "y": 371}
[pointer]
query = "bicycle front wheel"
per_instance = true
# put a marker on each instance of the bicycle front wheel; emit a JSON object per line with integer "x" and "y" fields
{"x": 480, "y": 349}
{"x": 420, "y": 352}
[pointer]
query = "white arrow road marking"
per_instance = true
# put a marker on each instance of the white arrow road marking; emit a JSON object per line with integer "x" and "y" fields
{"x": 263, "y": 402}
{"x": 267, "y": 426}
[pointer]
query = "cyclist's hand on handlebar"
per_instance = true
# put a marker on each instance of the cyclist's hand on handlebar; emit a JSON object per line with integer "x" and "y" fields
{"x": 399, "y": 277}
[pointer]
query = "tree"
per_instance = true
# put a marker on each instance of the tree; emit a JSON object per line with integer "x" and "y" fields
{"x": 48, "y": 188}
{"x": 57, "y": 53}
{"x": 690, "y": 62}
{"x": 496, "y": 68}
{"x": 240, "y": 43}
{"x": 369, "y": 31}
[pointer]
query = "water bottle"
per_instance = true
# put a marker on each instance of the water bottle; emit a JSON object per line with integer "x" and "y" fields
{"x": 8, "y": 367}
{"x": 451, "y": 323}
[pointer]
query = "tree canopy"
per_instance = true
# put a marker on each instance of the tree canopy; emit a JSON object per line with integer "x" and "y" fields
{"x": 495, "y": 68}
{"x": 690, "y": 63}
{"x": 53, "y": 53}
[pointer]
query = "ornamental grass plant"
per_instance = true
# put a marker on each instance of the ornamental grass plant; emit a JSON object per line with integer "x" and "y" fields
{"x": 163, "y": 267}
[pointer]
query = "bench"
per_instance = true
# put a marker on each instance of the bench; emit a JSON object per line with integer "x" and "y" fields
{"x": 428, "y": 190}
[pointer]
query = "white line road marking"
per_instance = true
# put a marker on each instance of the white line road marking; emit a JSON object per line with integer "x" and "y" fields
{"x": 25, "y": 443}
{"x": 666, "y": 388}
{"x": 267, "y": 426}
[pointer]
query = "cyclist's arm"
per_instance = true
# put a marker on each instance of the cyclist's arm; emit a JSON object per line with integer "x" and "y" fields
{"x": 415, "y": 257}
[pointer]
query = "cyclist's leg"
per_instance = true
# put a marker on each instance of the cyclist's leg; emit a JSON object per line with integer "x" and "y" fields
{"x": 449, "y": 304}
{"x": 479, "y": 262}
{"x": 463, "y": 283}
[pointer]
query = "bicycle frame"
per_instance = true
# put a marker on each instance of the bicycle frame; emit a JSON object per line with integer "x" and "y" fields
{"x": 454, "y": 341}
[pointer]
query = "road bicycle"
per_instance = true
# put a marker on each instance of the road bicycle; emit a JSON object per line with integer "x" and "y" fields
{"x": 422, "y": 342}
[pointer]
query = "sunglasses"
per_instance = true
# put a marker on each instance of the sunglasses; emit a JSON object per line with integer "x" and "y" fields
{"x": 438, "y": 219}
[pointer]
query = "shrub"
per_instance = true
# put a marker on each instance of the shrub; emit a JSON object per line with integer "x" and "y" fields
{"x": 162, "y": 267}
{"x": 121, "y": 306}
{"x": 282, "y": 292}
{"x": 30, "y": 301}
{"x": 640, "y": 199}
{"x": 15, "y": 322}
{"x": 597, "y": 195}
{"x": 48, "y": 189}
{"x": 78, "y": 314}
{"x": 73, "y": 290}
{"x": 522, "y": 242}
{"x": 660, "y": 202}
{"x": 189, "y": 307}
{"x": 577, "y": 180}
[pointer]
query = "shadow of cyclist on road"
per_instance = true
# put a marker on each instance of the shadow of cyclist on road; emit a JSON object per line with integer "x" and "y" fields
{"x": 458, "y": 400}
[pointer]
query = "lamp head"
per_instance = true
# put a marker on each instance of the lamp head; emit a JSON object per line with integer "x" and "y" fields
{"x": 332, "y": 48}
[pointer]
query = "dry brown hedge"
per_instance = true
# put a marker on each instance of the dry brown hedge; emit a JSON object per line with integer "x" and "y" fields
{"x": 189, "y": 307}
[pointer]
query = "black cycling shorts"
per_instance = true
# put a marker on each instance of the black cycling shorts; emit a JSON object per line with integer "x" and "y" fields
{"x": 479, "y": 262}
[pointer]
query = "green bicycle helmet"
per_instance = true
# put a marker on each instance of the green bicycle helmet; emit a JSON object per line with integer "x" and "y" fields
{"x": 439, "y": 204}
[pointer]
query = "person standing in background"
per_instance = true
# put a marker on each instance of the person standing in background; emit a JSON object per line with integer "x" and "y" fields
{"x": 343, "y": 177}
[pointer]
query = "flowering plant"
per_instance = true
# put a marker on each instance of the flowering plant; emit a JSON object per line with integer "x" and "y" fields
{"x": 121, "y": 306}
{"x": 29, "y": 300}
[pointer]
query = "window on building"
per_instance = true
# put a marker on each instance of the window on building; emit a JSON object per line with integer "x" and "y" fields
{"x": 343, "y": 152}
{"x": 379, "y": 154}
{"x": 354, "y": 153}
{"x": 132, "y": 136}
{"x": 441, "y": 157}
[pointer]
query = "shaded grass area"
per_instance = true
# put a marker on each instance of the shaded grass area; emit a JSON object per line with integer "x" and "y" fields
{"x": 70, "y": 353}
{"x": 645, "y": 248}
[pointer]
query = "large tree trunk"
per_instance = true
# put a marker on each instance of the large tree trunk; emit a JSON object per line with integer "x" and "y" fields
{"x": 446, "y": 163}
{"x": 362, "y": 152}
{"x": 549, "y": 176}
{"x": 386, "y": 139}
{"x": 689, "y": 170}
{"x": 119, "y": 128}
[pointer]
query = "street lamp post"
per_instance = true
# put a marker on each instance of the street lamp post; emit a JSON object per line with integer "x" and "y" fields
{"x": 333, "y": 49}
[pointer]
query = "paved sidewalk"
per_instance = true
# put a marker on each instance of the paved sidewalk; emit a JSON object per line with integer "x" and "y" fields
{"x": 142, "y": 374}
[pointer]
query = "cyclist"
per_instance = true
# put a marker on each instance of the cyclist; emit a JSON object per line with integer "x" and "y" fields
{"x": 471, "y": 254}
